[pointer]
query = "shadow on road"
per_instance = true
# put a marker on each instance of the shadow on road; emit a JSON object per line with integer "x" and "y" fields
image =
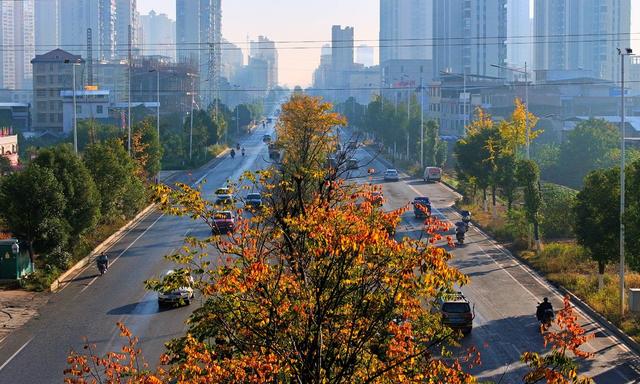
{"x": 147, "y": 307}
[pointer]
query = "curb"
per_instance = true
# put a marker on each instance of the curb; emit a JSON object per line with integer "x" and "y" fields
{"x": 111, "y": 240}
{"x": 72, "y": 272}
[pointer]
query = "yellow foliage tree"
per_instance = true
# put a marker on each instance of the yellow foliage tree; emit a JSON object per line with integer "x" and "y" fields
{"x": 514, "y": 132}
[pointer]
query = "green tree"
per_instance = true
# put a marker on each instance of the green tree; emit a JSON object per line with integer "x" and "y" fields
{"x": 32, "y": 204}
{"x": 92, "y": 131}
{"x": 632, "y": 215}
{"x": 528, "y": 176}
{"x": 507, "y": 181}
{"x": 146, "y": 147}
{"x": 597, "y": 213}
{"x": 5, "y": 166}
{"x": 591, "y": 145}
{"x": 122, "y": 192}
{"x": 435, "y": 150}
{"x": 82, "y": 208}
{"x": 557, "y": 220}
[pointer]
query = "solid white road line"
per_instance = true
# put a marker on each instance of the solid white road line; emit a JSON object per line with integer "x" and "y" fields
{"x": 16, "y": 353}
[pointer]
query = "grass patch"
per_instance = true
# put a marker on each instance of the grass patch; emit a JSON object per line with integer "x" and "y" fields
{"x": 216, "y": 149}
{"x": 568, "y": 264}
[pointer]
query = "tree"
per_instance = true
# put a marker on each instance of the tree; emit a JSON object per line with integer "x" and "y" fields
{"x": 632, "y": 215}
{"x": 435, "y": 150}
{"x": 591, "y": 145}
{"x": 515, "y": 132}
{"x": 528, "y": 176}
{"x": 597, "y": 213}
{"x": 146, "y": 150}
{"x": 82, "y": 208}
{"x": 507, "y": 181}
{"x": 32, "y": 205}
{"x": 122, "y": 192}
{"x": 557, "y": 220}
{"x": 5, "y": 166}
{"x": 91, "y": 131}
{"x": 202, "y": 125}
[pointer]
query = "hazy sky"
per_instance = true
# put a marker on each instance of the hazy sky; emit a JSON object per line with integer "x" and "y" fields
{"x": 284, "y": 21}
{"x": 305, "y": 20}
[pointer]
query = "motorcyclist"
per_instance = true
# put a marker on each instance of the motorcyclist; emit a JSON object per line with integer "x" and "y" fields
{"x": 460, "y": 231}
{"x": 242, "y": 151}
{"x": 233, "y": 153}
{"x": 103, "y": 261}
{"x": 543, "y": 308}
{"x": 238, "y": 146}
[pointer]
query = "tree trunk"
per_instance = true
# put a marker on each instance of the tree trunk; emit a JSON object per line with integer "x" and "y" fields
{"x": 494, "y": 212}
{"x": 601, "y": 266}
{"x": 536, "y": 235}
{"x": 32, "y": 254}
{"x": 484, "y": 200}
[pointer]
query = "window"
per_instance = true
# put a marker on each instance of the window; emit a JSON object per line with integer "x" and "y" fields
{"x": 42, "y": 105}
{"x": 41, "y": 93}
{"x": 78, "y": 109}
{"x": 52, "y": 117}
{"x": 59, "y": 117}
{"x": 41, "y": 80}
{"x": 52, "y": 79}
{"x": 42, "y": 117}
{"x": 99, "y": 109}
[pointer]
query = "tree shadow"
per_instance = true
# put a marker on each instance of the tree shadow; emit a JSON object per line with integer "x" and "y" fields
{"x": 141, "y": 308}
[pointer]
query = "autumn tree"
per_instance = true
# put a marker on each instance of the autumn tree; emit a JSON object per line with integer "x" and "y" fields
{"x": 146, "y": 149}
{"x": 528, "y": 176}
{"x": 521, "y": 130}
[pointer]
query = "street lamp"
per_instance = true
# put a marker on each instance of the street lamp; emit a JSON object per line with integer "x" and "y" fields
{"x": 75, "y": 109}
{"x": 526, "y": 99}
{"x": 622, "y": 54}
{"x": 157, "y": 71}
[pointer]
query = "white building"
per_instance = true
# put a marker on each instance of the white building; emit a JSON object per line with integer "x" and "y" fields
{"x": 17, "y": 38}
{"x": 90, "y": 104}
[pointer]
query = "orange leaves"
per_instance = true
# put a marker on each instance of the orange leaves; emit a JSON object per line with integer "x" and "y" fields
{"x": 571, "y": 335}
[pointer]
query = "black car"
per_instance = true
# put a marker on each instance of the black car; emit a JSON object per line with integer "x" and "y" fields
{"x": 456, "y": 311}
{"x": 253, "y": 201}
{"x": 421, "y": 206}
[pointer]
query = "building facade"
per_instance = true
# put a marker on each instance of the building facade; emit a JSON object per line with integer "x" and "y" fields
{"x": 565, "y": 35}
{"x": 364, "y": 55}
{"x": 47, "y": 20}
{"x": 53, "y": 73}
{"x": 126, "y": 17}
{"x": 405, "y": 29}
{"x": 90, "y": 105}
{"x": 158, "y": 35}
{"x": 265, "y": 50}
{"x": 519, "y": 33}
{"x": 469, "y": 36}
{"x": 17, "y": 37}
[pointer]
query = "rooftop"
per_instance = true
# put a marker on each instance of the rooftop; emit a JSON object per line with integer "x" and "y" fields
{"x": 57, "y": 56}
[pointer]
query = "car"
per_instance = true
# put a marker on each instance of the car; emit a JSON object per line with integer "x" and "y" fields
{"x": 266, "y": 139}
{"x": 253, "y": 201}
{"x": 352, "y": 163}
{"x": 421, "y": 206}
{"x": 223, "y": 222}
{"x": 225, "y": 201}
{"x": 223, "y": 191}
{"x": 456, "y": 311}
{"x": 183, "y": 294}
{"x": 432, "y": 174}
{"x": 391, "y": 175}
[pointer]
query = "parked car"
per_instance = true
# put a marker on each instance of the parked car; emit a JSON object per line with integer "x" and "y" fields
{"x": 223, "y": 222}
{"x": 253, "y": 201}
{"x": 421, "y": 207}
{"x": 456, "y": 311}
{"x": 391, "y": 175}
{"x": 352, "y": 163}
{"x": 266, "y": 139}
{"x": 432, "y": 174}
{"x": 183, "y": 294}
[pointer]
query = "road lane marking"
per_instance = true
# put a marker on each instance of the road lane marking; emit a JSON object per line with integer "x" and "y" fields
{"x": 16, "y": 353}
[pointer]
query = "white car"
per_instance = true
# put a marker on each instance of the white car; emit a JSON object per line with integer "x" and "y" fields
{"x": 391, "y": 175}
{"x": 177, "y": 296}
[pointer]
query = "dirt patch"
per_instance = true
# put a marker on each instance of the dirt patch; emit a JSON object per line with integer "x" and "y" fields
{"x": 17, "y": 307}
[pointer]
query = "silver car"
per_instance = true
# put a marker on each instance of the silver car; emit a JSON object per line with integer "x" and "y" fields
{"x": 391, "y": 175}
{"x": 177, "y": 296}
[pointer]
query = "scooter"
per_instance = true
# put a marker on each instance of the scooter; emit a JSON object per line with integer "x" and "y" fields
{"x": 546, "y": 316}
{"x": 233, "y": 154}
{"x": 102, "y": 267}
{"x": 460, "y": 235}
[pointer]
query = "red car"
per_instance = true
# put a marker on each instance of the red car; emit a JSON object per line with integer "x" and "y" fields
{"x": 223, "y": 222}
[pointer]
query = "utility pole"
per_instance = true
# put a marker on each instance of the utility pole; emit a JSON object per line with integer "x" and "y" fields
{"x": 526, "y": 109}
{"x": 158, "y": 100}
{"x": 421, "y": 125}
{"x": 191, "y": 127}
{"x": 129, "y": 97}
{"x": 75, "y": 112}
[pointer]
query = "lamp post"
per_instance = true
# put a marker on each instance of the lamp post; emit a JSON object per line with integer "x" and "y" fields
{"x": 75, "y": 109}
{"x": 421, "y": 125}
{"x": 526, "y": 100}
{"x": 622, "y": 54}
{"x": 157, "y": 71}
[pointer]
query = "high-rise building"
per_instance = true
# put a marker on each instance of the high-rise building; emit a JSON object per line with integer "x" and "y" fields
{"x": 198, "y": 39}
{"x": 405, "y": 29}
{"x": 265, "y": 49}
{"x": 341, "y": 48}
{"x": 76, "y": 16}
{"x": 364, "y": 55}
{"x": 519, "y": 33}
{"x": 232, "y": 59}
{"x": 126, "y": 18}
{"x": 469, "y": 36}
{"x": 17, "y": 35}
{"x": 47, "y": 34}
{"x": 158, "y": 35}
{"x": 106, "y": 33}
{"x": 581, "y": 34}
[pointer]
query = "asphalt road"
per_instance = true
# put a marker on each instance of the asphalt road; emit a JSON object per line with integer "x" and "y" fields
{"x": 505, "y": 292}
{"x": 90, "y": 305}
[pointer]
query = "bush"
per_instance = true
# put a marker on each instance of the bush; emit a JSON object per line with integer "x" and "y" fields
{"x": 58, "y": 259}
{"x": 558, "y": 216}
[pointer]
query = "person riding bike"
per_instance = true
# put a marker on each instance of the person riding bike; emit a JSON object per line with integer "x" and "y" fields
{"x": 242, "y": 151}
{"x": 103, "y": 261}
{"x": 233, "y": 153}
{"x": 544, "y": 308}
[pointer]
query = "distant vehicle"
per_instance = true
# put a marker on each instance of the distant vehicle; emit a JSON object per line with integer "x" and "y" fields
{"x": 179, "y": 295}
{"x": 352, "y": 163}
{"x": 421, "y": 206}
{"x": 223, "y": 191}
{"x": 352, "y": 145}
{"x": 391, "y": 175}
{"x": 224, "y": 201}
{"x": 432, "y": 174}
{"x": 456, "y": 311}
{"x": 274, "y": 152}
{"x": 223, "y": 222}
{"x": 269, "y": 120}
{"x": 266, "y": 139}
{"x": 253, "y": 201}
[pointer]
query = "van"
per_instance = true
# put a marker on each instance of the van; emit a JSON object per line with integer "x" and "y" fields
{"x": 432, "y": 174}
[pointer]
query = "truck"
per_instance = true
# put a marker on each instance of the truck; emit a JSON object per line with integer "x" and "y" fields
{"x": 432, "y": 174}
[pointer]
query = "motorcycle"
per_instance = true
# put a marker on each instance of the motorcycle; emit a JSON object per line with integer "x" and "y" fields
{"x": 545, "y": 315}
{"x": 460, "y": 237}
{"x": 233, "y": 154}
{"x": 103, "y": 266}
{"x": 243, "y": 152}
{"x": 238, "y": 146}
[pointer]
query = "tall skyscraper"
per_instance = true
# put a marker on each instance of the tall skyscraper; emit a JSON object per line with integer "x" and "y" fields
{"x": 47, "y": 34}
{"x": 581, "y": 34}
{"x": 469, "y": 36}
{"x": 405, "y": 29}
{"x": 17, "y": 35}
{"x": 126, "y": 15}
{"x": 76, "y": 16}
{"x": 106, "y": 33}
{"x": 187, "y": 30}
{"x": 158, "y": 34}
{"x": 519, "y": 33}
{"x": 265, "y": 49}
{"x": 341, "y": 48}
